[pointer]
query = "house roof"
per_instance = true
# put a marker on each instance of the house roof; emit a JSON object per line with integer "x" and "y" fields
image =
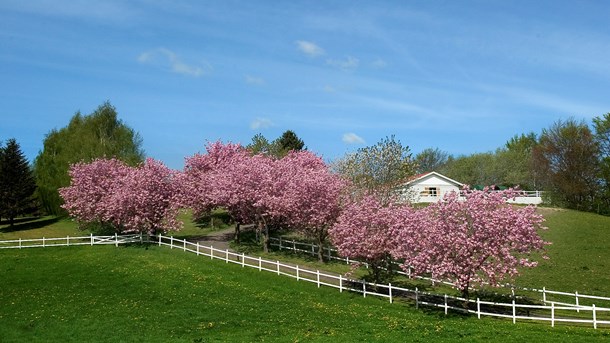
{"x": 418, "y": 178}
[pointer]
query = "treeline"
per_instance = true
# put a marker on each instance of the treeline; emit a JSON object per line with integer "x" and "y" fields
{"x": 570, "y": 161}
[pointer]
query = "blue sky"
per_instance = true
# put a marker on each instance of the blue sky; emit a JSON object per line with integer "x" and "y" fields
{"x": 463, "y": 76}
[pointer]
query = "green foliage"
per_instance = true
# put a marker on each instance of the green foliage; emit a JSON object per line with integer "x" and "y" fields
{"x": 601, "y": 126}
{"x": 126, "y": 294}
{"x": 566, "y": 158}
{"x": 431, "y": 159}
{"x": 279, "y": 147}
{"x": 100, "y": 134}
{"x": 515, "y": 162}
{"x": 479, "y": 169}
{"x": 17, "y": 183}
{"x": 378, "y": 168}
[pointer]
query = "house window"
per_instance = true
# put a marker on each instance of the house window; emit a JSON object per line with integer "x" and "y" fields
{"x": 430, "y": 191}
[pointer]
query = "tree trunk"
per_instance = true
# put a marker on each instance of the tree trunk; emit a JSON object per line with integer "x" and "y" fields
{"x": 266, "y": 240}
{"x": 320, "y": 249}
{"x": 237, "y": 232}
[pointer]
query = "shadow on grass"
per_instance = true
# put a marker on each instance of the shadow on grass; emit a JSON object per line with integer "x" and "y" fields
{"x": 29, "y": 224}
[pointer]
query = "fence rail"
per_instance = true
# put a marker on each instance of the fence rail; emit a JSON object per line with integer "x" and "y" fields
{"x": 333, "y": 254}
{"x": 553, "y": 313}
{"x": 68, "y": 241}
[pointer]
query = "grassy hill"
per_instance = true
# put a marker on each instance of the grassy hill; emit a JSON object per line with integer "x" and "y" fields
{"x": 579, "y": 256}
{"x": 156, "y": 294}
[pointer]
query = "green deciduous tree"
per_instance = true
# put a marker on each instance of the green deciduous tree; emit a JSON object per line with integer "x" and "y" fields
{"x": 515, "y": 162}
{"x": 567, "y": 159}
{"x": 431, "y": 159}
{"x": 476, "y": 170}
{"x": 87, "y": 137}
{"x": 601, "y": 125}
{"x": 17, "y": 183}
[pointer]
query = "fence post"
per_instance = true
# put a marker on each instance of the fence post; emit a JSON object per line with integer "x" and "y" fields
{"x": 280, "y": 243}
{"x": 514, "y": 313}
{"x": 478, "y": 308}
{"x": 416, "y": 298}
{"x": 211, "y": 252}
{"x": 260, "y": 266}
{"x": 297, "y": 272}
{"x": 409, "y": 272}
{"x": 340, "y": 283}
{"x": 171, "y": 242}
{"x": 227, "y": 255}
{"x": 313, "y": 249}
{"x": 445, "y": 303}
{"x": 243, "y": 260}
{"x": 364, "y": 288}
{"x": 577, "y": 305}
{"x": 544, "y": 295}
{"x": 294, "y": 246}
{"x": 68, "y": 240}
{"x": 184, "y": 244}
{"x": 277, "y": 263}
{"x": 390, "y": 289}
{"x": 116, "y": 239}
{"x": 197, "y": 248}
{"x": 19, "y": 243}
{"x": 91, "y": 239}
{"x": 347, "y": 260}
{"x": 141, "y": 240}
{"x": 43, "y": 242}
{"x": 159, "y": 239}
{"x": 328, "y": 254}
{"x": 318, "y": 277}
{"x": 552, "y": 314}
{"x": 594, "y": 317}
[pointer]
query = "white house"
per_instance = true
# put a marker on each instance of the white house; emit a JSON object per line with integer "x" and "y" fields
{"x": 432, "y": 186}
{"x": 428, "y": 187}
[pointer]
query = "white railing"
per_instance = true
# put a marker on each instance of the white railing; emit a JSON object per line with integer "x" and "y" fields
{"x": 551, "y": 313}
{"x": 68, "y": 241}
{"x": 333, "y": 254}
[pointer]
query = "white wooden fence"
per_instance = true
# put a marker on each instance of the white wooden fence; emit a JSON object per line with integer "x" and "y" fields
{"x": 68, "y": 241}
{"x": 547, "y": 296}
{"x": 553, "y": 313}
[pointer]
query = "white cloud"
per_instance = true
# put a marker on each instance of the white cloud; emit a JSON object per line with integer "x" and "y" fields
{"x": 164, "y": 58}
{"x": 329, "y": 89}
{"x": 261, "y": 123}
{"x": 348, "y": 63}
{"x": 379, "y": 64}
{"x": 352, "y": 138}
{"x": 309, "y": 48}
{"x": 253, "y": 80}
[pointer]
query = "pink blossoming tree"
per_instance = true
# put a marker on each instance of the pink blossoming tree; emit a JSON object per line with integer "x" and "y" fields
{"x": 128, "y": 199}
{"x": 472, "y": 240}
{"x": 308, "y": 196}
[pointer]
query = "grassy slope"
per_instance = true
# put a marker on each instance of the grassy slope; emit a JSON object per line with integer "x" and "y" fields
{"x": 160, "y": 295}
{"x": 579, "y": 256}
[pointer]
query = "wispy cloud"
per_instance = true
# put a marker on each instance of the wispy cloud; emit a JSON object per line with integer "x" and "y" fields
{"x": 352, "y": 138}
{"x": 379, "y": 63}
{"x": 309, "y": 48}
{"x": 261, "y": 123}
{"x": 165, "y": 58}
{"x": 348, "y": 63}
{"x": 254, "y": 80}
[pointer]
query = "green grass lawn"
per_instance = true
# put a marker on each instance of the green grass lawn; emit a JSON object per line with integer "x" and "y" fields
{"x": 126, "y": 294}
{"x": 579, "y": 256}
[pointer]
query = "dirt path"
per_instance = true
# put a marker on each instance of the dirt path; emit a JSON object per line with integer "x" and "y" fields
{"x": 218, "y": 239}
